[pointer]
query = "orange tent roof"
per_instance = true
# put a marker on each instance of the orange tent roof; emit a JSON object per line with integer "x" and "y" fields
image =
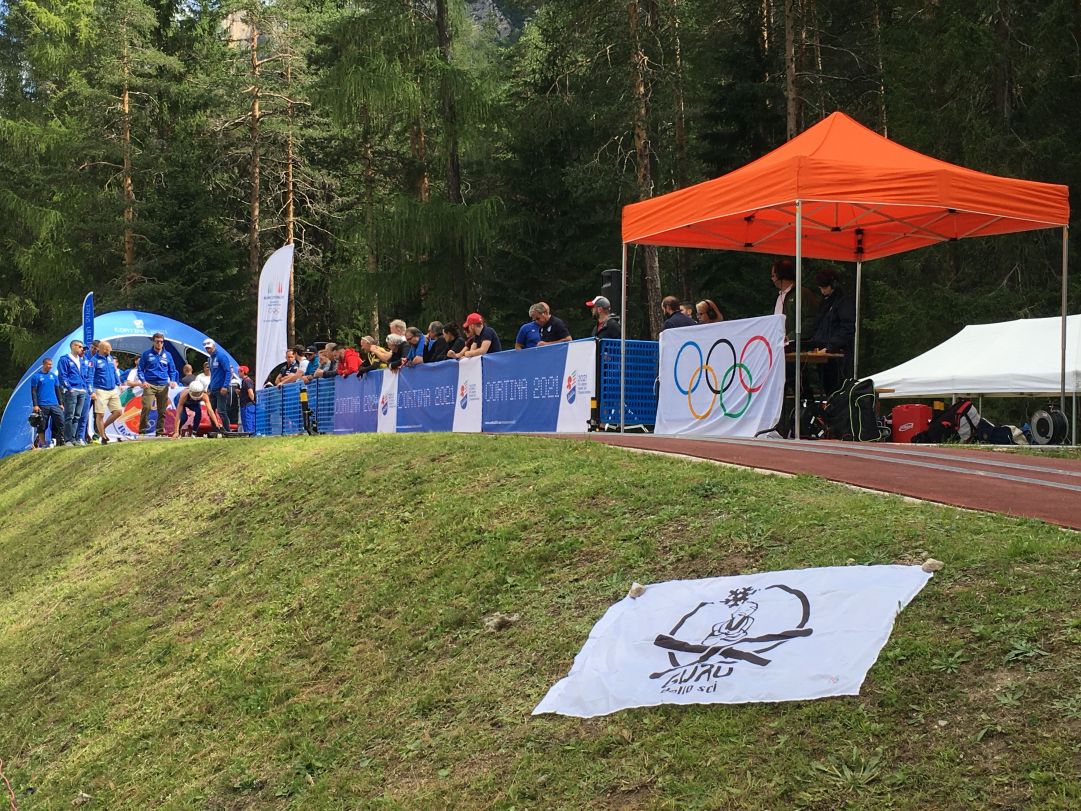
{"x": 863, "y": 197}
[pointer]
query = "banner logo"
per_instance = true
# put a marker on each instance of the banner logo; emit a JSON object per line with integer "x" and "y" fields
{"x": 384, "y": 405}
{"x": 705, "y": 372}
{"x": 714, "y": 639}
{"x": 572, "y": 386}
{"x": 462, "y": 393}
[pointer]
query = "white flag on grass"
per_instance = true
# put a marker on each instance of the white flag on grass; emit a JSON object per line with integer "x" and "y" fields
{"x": 775, "y": 636}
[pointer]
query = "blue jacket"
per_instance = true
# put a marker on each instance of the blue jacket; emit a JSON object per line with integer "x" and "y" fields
{"x": 157, "y": 367}
{"x": 105, "y": 374}
{"x": 72, "y": 375}
{"x": 220, "y": 372}
{"x": 87, "y": 368}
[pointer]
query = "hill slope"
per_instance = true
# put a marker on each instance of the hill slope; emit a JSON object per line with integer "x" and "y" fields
{"x": 297, "y": 623}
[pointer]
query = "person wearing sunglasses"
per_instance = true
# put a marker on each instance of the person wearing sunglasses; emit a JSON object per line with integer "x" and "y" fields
{"x": 156, "y": 373}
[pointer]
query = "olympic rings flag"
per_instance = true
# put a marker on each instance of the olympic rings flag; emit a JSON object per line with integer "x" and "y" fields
{"x": 723, "y": 379}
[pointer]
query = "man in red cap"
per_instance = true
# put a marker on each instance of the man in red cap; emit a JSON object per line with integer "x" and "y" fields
{"x": 247, "y": 401}
{"x": 481, "y": 339}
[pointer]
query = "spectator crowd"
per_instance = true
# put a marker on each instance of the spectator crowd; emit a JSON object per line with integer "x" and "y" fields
{"x": 86, "y": 382}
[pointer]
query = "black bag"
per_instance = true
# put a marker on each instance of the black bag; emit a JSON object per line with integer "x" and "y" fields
{"x": 851, "y": 412}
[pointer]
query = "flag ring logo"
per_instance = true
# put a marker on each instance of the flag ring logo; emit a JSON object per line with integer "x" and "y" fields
{"x": 735, "y": 371}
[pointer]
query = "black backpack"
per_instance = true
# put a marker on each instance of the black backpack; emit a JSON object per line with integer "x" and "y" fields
{"x": 851, "y": 412}
{"x": 961, "y": 421}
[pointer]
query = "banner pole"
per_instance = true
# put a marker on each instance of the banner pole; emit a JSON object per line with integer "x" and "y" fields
{"x": 799, "y": 307}
{"x": 856, "y": 348}
{"x": 1065, "y": 260}
{"x": 622, "y": 339}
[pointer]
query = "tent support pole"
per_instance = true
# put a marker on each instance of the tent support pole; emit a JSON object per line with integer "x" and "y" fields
{"x": 623, "y": 339}
{"x": 856, "y": 347}
{"x": 799, "y": 308}
{"x": 1065, "y": 265}
{"x": 1073, "y": 422}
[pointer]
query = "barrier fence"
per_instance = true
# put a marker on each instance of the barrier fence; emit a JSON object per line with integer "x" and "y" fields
{"x": 547, "y": 389}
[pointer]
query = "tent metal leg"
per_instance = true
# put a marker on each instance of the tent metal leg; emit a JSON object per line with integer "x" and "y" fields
{"x": 799, "y": 308}
{"x": 1065, "y": 265}
{"x": 623, "y": 341}
{"x": 856, "y": 346}
{"x": 1073, "y": 422}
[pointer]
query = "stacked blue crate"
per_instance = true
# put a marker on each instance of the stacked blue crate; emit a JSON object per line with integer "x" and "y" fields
{"x": 640, "y": 385}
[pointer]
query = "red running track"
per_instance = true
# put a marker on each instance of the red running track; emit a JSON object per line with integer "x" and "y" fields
{"x": 1009, "y": 483}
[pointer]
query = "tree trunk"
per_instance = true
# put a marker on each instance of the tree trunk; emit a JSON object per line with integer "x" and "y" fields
{"x": 128, "y": 183}
{"x": 791, "y": 96}
{"x": 651, "y": 274}
{"x": 417, "y": 138}
{"x": 877, "y": 19}
{"x": 129, "y": 190}
{"x": 459, "y": 268}
{"x": 290, "y": 214}
{"x": 369, "y": 224}
{"x": 254, "y": 254}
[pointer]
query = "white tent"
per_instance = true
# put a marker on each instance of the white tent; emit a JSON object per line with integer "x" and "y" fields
{"x": 1012, "y": 358}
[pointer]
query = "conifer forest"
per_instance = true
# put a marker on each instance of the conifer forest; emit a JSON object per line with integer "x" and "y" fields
{"x": 429, "y": 158}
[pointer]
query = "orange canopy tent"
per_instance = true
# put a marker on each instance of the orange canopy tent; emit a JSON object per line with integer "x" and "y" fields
{"x": 840, "y": 191}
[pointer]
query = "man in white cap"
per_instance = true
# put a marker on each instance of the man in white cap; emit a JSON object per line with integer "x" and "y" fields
{"x": 607, "y": 325}
{"x": 221, "y": 375}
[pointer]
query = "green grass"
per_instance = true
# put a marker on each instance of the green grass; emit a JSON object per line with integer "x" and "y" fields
{"x": 298, "y": 623}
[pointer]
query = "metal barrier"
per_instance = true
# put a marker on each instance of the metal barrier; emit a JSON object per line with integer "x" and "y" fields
{"x": 262, "y": 416}
{"x": 278, "y": 410}
{"x": 291, "y": 420}
{"x": 640, "y": 389}
{"x": 321, "y": 402}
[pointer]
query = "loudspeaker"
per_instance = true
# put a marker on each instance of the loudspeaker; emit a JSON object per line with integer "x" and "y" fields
{"x": 612, "y": 288}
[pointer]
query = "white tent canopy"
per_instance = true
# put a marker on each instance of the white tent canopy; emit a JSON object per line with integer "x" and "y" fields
{"x": 1011, "y": 358}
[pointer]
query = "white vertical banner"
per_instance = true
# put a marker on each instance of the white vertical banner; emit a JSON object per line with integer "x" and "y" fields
{"x": 724, "y": 379}
{"x": 468, "y": 411}
{"x": 387, "y": 416}
{"x": 272, "y": 327}
{"x": 579, "y": 385}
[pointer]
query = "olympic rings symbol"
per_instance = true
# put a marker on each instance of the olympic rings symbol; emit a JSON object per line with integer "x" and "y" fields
{"x": 705, "y": 372}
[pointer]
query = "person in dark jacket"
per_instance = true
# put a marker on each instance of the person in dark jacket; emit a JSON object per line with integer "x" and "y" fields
{"x": 607, "y": 325}
{"x": 673, "y": 317}
{"x": 834, "y": 329}
{"x": 436, "y": 348}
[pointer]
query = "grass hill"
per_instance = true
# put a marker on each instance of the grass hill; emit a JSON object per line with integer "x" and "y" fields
{"x": 298, "y": 623}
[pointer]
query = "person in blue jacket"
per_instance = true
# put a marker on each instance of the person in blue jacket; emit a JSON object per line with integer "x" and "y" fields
{"x": 76, "y": 390}
{"x": 157, "y": 374}
{"x": 221, "y": 377}
{"x": 106, "y": 390}
{"x": 47, "y": 400}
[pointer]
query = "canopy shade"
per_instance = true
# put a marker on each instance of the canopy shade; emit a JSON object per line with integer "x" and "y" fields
{"x": 863, "y": 197}
{"x": 1009, "y": 358}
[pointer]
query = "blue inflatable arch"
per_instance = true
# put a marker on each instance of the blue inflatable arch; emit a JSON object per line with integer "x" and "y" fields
{"x": 127, "y": 331}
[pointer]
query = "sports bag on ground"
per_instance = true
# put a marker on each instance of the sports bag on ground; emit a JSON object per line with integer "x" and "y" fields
{"x": 850, "y": 412}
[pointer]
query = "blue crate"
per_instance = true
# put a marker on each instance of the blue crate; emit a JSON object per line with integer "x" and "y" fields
{"x": 640, "y": 384}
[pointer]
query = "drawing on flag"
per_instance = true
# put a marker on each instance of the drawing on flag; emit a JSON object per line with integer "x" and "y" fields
{"x": 774, "y": 636}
